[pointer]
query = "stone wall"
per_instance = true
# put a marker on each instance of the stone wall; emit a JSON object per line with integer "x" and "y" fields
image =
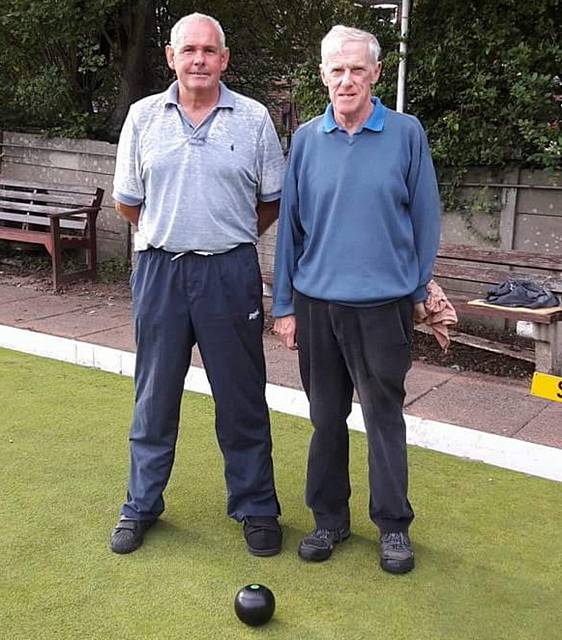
{"x": 514, "y": 209}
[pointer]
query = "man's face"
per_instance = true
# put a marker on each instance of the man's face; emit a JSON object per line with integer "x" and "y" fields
{"x": 198, "y": 59}
{"x": 349, "y": 76}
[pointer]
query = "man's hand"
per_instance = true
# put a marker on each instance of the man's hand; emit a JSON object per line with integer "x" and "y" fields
{"x": 286, "y": 329}
{"x": 420, "y": 314}
{"x": 131, "y": 214}
{"x": 268, "y": 212}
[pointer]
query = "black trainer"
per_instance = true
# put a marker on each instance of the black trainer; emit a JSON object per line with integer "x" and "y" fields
{"x": 128, "y": 534}
{"x": 521, "y": 293}
{"x": 396, "y": 552}
{"x": 263, "y": 535}
{"x": 318, "y": 545}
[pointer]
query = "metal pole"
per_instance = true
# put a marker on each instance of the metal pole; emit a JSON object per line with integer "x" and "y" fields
{"x": 401, "y": 87}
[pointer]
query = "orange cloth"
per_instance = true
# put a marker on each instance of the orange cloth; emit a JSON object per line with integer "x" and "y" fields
{"x": 440, "y": 314}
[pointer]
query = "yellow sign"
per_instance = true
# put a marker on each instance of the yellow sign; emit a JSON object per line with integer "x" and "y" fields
{"x": 547, "y": 386}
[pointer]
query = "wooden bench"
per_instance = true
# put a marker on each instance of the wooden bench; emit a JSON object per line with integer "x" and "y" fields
{"x": 485, "y": 267}
{"x": 55, "y": 216}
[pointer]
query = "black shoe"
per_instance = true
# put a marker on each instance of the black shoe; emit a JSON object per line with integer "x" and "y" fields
{"x": 521, "y": 293}
{"x": 396, "y": 552}
{"x": 128, "y": 534}
{"x": 263, "y": 535}
{"x": 318, "y": 545}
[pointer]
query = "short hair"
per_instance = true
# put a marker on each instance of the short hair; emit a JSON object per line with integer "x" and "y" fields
{"x": 195, "y": 17}
{"x": 334, "y": 40}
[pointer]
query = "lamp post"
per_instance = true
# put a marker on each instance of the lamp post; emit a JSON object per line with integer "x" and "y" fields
{"x": 404, "y": 11}
{"x": 401, "y": 86}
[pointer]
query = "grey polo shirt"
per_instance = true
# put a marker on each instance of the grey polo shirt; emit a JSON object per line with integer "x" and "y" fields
{"x": 198, "y": 186}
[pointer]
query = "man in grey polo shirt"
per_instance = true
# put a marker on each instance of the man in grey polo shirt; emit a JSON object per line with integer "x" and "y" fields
{"x": 199, "y": 172}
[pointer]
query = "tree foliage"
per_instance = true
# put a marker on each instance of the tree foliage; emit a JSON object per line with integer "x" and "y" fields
{"x": 310, "y": 94}
{"x": 482, "y": 74}
{"x": 485, "y": 79}
{"x": 53, "y": 62}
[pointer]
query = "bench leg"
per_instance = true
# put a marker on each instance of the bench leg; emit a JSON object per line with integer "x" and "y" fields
{"x": 555, "y": 339}
{"x": 56, "y": 253}
{"x": 548, "y": 345}
{"x": 91, "y": 252}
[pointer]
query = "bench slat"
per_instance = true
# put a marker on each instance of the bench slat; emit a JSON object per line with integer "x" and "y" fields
{"x": 40, "y": 237}
{"x": 50, "y": 188}
{"x": 484, "y": 343}
{"x": 465, "y": 309}
{"x": 493, "y": 276}
{"x": 513, "y": 258}
{"x": 78, "y": 222}
{"x": 7, "y": 205}
{"x": 46, "y": 198}
{"x": 31, "y": 237}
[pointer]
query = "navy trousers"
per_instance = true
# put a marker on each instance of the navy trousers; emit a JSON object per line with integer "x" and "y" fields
{"x": 369, "y": 349}
{"x": 216, "y": 302}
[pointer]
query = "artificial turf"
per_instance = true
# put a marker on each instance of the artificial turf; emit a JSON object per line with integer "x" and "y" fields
{"x": 487, "y": 540}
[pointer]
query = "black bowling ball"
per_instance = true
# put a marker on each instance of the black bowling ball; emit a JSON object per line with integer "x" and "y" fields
{"x": 254, "y": 605}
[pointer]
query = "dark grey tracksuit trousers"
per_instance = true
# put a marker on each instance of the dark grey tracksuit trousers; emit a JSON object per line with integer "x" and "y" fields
{"x": 369, "y": 349}
{"x": 216, "y": 302}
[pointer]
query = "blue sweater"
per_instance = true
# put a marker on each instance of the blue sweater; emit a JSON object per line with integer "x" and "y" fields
{"x": 359, "y": 221}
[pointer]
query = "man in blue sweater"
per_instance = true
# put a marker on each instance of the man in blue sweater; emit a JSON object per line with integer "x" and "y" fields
{"x": 357, "y": 239}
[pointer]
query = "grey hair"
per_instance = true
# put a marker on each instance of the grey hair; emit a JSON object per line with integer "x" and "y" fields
{"x": 194, "y": 17}
{"x": 334, "y": 40}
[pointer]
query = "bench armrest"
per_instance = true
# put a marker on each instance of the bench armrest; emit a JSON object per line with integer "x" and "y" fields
{"x": 72, "y": 212}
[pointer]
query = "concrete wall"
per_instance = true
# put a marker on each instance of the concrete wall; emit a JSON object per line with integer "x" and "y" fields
{"x": 512, "y": 209}
{"x": 515, "y": 209}
{"x": 58, "y": 160}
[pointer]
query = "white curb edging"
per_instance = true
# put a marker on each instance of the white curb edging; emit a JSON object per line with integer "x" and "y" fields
{"x": 509, "y": 453}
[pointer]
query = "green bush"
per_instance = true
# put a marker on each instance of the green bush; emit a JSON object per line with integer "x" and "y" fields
{"x": 113, "y": 270}
{"x": 484, "y": 78}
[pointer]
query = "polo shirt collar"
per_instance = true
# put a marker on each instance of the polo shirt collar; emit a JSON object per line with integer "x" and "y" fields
{"x": 226, "y": 96}
{"x": 375, "y": 122}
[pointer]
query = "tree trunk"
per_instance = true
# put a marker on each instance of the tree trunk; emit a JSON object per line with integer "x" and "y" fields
{"x": 136, "y": 23}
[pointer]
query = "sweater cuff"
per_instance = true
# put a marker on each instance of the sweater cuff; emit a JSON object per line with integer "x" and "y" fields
{"x": 280, "y": 310}
{"x": 420, "y": 294}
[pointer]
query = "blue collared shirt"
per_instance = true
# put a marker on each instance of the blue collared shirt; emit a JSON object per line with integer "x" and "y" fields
{"x": 375, "y": 121}
{"x": 198, "y": 186}
{"x": 359, "y": 222}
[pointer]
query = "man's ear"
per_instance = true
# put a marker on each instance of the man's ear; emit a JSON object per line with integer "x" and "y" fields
{"x": 323, "y": 75}
{"x": 170, "y": 56}
{"x": 377, "y": 72}
{"x": 225, "y": 57}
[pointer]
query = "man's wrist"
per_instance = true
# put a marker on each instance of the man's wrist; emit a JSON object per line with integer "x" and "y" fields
{"x": 280, "y": 310}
